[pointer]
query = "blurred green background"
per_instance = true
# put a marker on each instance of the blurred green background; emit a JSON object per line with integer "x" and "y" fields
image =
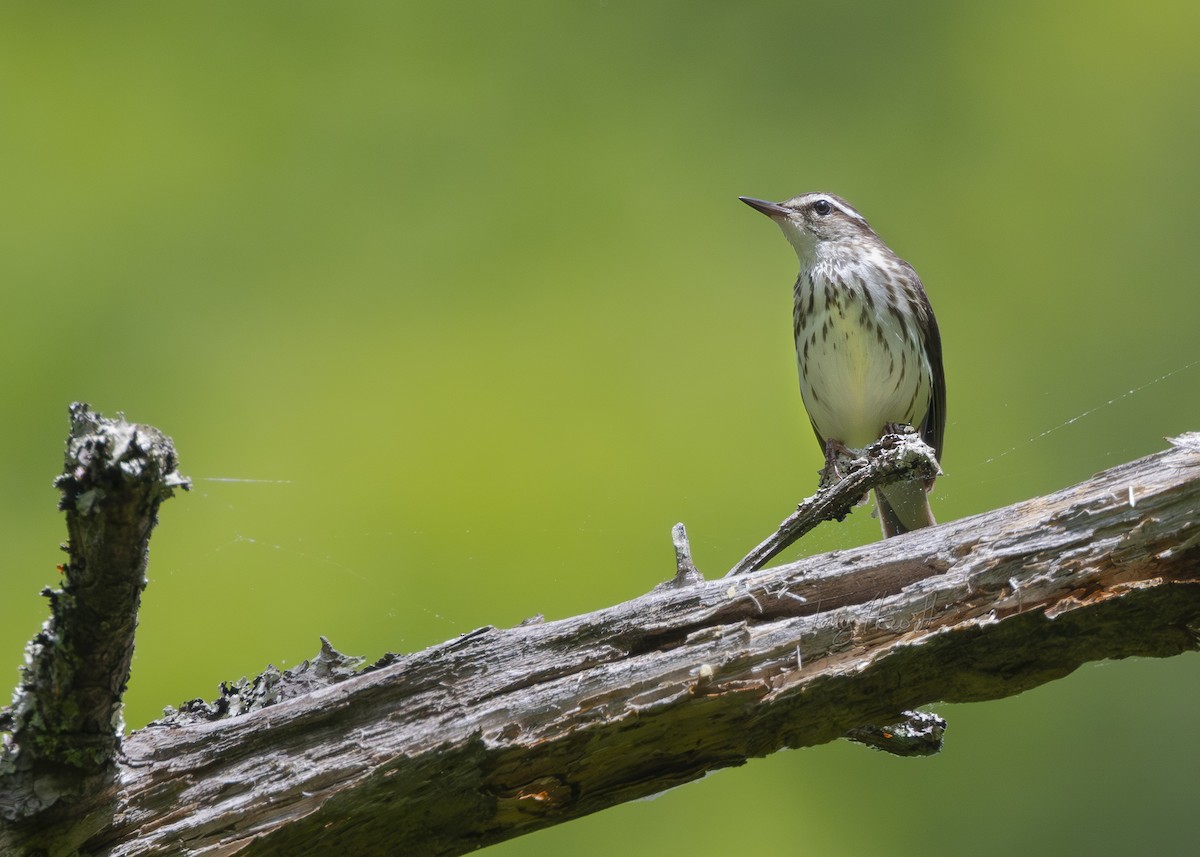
{"x": 469, "y": 286}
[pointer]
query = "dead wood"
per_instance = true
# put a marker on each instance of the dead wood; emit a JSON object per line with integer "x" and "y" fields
{"x": 504, "y": 731}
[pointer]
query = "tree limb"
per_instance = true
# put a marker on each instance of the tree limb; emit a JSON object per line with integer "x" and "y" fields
{"x": 501, "y": 732}
{"x": 890, "y": 459}
{"x": 64, "y": 727}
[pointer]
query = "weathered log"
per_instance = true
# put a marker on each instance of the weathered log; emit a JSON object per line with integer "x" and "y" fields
{"x": 501, "y": 732}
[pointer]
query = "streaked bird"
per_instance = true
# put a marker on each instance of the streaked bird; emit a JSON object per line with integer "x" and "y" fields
{"x": 867, "y": 343}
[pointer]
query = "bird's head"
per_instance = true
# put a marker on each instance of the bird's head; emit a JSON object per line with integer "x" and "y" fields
{"x": 814, "y": 219}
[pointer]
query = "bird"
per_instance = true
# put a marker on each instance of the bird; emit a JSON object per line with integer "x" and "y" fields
{"x": 867, "y": 343}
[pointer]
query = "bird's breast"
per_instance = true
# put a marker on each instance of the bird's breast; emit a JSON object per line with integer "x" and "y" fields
{"x": 861, "y": 357}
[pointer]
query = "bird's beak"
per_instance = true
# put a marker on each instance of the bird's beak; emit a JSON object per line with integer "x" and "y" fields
{"x": 770, "y": 209}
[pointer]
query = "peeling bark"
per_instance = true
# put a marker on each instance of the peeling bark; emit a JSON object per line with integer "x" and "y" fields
{"x": 501, "y": 732}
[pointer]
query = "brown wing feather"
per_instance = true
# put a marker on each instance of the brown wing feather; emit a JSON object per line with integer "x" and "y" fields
{"x": 933, "y": 427}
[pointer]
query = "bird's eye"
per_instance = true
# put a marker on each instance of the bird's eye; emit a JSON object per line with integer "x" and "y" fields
{"x": 822, "y": 207}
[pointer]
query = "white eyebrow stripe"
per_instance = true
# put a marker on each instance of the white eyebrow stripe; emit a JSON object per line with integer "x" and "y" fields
{"x": 846, "y": 210}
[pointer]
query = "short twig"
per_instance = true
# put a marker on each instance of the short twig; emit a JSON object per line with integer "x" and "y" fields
{"x": 686, "y": 572}
{"x": 919, "y": 733}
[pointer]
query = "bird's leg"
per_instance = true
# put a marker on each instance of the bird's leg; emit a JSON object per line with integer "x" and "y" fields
{"x": 836, "y": 453}
{"x": 834, "y": 449}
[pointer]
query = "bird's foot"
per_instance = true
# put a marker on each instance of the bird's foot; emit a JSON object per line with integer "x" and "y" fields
{"x": 898, "y": 428}
{"x": 839, "y": 459}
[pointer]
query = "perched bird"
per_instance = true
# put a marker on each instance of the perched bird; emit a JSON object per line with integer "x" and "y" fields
{"x": 867, "y": 343}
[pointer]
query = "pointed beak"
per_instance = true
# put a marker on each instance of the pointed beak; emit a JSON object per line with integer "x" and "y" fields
{"x": 770, "y": 209}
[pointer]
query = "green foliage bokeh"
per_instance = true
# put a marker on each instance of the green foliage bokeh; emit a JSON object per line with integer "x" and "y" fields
{"x": 467, "y": 287}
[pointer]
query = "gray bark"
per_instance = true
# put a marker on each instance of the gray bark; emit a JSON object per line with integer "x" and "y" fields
{"x": 504, "y": 731}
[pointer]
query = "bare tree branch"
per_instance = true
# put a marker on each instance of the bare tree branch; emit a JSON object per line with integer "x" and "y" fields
{"x": 501, "y": 732}
{"x": 890, "y": 459}
{"x": 65, "y": 719}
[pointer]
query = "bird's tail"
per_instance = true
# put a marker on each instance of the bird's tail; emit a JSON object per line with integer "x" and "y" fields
{"x": 903, "y": 506}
